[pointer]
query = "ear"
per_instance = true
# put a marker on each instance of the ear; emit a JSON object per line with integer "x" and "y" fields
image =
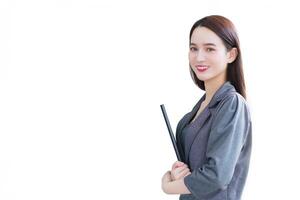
{"x": 232, "y": 54}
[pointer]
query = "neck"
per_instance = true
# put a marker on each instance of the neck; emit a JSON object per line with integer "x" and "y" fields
{"x": 211, "y": 87}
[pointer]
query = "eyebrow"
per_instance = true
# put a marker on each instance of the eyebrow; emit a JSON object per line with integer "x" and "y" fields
{"x": 205, "y": 44}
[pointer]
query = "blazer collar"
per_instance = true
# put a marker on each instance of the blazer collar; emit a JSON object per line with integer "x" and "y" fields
{"x": 226, "y": 88}
{"x": 220, "y": 94}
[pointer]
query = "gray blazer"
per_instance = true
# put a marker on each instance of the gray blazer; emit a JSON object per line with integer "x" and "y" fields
{"x": 216, "y": 146}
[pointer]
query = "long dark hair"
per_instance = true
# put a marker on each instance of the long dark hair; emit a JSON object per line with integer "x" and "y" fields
{"x": 225, "y": 29}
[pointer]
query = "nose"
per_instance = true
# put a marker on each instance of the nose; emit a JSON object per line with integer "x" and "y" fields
{"x": 200, "y": 56}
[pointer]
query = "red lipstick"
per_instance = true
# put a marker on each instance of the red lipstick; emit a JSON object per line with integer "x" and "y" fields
{"x": 201, "y": 68}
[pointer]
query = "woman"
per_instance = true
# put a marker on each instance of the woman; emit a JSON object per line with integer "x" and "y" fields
{"x": 214, "y": 139}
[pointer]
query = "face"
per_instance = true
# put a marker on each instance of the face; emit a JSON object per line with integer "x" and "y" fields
{"x": 208, "y": 56}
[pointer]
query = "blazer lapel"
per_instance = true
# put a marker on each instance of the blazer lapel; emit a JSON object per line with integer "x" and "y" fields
{"x": 205, "y": 115}
{"x": 185, "y": 120}
{"x": 224, "y": 90}
{"x": 200, "y": 122}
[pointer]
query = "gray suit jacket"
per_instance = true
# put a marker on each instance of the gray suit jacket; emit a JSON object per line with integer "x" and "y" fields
{"x": 218, "y": 154}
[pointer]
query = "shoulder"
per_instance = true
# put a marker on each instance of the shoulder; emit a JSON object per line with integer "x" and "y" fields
{"x": 233, "y": 99}
{"x": 232, "y": 104}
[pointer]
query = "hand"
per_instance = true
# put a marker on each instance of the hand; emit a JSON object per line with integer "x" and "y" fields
{"x": 165, "y": 180}
{"x": 179, "y": 171}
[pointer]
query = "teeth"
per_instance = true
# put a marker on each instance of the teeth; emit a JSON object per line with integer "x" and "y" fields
{"x": 202, "y": 67}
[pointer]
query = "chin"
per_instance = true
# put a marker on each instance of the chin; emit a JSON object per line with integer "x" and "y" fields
{"x": 203, "y": 78}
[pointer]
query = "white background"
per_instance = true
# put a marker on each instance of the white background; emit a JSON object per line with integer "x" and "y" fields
{"x": 81, "y": 83}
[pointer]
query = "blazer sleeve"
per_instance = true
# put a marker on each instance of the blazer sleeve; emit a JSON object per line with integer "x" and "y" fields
{"x": 229, "y": 130}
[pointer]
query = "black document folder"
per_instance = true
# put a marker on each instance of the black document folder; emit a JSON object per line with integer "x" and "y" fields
{"x": 170, "y": 131}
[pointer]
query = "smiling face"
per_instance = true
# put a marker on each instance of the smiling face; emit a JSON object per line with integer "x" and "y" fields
{"x": 208, "y": 56}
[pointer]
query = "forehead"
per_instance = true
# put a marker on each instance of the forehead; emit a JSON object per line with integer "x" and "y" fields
{"x": 203, "y": 35}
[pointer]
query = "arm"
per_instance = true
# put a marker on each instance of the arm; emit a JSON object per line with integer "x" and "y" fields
{"x": 173, "y": 187}
{"x": 227, "y": 136}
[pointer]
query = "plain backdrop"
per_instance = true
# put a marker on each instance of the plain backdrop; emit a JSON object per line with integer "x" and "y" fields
{"x": 81, "y": 83}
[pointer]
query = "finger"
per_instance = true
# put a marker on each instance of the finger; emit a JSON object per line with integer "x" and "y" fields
{"x": 178, "y": 174}
{"x": 183, "y": 173}
{"x": 182, "y": 165}
{"x": 179, "y": 169}
{"x": 177, "y": 164}
{"x": 175, "y": 172}
{"x": 187, "y": 174}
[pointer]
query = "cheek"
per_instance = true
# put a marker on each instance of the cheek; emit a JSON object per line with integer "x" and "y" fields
{"x": 191, "y": 57}
{"x": 217, "y": 59}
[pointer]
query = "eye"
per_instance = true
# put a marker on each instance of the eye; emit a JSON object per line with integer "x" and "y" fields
{"x": 209, "y": 49}
{"x": 193, "y": 49}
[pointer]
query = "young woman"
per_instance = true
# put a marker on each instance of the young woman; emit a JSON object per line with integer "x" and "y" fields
{"x": 214, "y": 139}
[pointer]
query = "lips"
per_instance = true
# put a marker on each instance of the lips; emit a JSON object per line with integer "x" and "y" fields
{"x": 201, "y": 68}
